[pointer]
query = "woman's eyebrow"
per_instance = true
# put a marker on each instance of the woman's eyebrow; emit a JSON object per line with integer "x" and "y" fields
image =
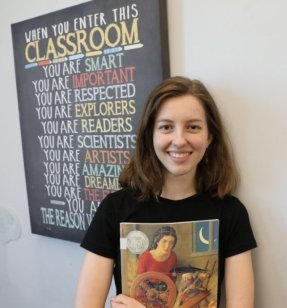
{"x": 171, "y": 120}
{"x": 164, "y": 120}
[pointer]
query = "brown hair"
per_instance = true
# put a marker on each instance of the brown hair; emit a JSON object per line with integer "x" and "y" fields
{"x": 160, "y": 233}
{"x": 216, "y": 173}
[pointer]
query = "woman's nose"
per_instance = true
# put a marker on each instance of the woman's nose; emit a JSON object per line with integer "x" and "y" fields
{"x": 179, "y": 137}
{"x": 169, "y": 246}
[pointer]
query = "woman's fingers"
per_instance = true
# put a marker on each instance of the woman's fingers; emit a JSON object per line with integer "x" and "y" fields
{"x": 122, "y": 300}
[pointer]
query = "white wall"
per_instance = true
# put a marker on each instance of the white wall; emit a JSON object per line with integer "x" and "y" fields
{"x": 239, "y": 49}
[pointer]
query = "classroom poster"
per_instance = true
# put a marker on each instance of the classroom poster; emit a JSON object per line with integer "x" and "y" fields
{"x": 83, "y": 74}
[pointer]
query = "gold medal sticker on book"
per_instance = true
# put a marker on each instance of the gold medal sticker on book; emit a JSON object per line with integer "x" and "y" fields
{"x": 171, "y": 265}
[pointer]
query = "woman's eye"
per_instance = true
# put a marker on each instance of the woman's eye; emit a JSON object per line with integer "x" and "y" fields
{"x": 165, "y": 128}
{"x": 194, "y": 128}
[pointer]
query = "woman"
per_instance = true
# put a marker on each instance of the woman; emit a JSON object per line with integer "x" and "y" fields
{"x": 182, "y": 170}
{"x": 160, "y": 257}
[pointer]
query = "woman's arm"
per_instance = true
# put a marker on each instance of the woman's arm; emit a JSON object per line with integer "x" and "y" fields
{"x": 94, "y": 282}
{"x": 239, "y": 281}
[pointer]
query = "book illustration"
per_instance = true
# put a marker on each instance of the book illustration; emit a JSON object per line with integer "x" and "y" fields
{"x": 171, "y": 265}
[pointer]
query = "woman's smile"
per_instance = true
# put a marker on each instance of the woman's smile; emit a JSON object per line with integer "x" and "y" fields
{"x": 178, "y": 155}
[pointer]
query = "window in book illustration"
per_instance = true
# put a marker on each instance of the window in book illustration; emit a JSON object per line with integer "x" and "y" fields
{"x": 170, "y": 265}
{"x": 83, "y": 74}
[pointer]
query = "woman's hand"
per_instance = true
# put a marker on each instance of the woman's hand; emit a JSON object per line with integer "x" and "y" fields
{"x": 125, "y": 301}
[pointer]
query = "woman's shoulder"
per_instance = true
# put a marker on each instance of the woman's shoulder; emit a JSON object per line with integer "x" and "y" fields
{"x": 233, "y": 212}
{"x": 121, "y": 194}
{"x": 229, "y": 206}
{"x": 119, "y": 201}
{"x": 229, "y": 202}
{"x": 232, "y": 204}
{"x": 118, "y": 197}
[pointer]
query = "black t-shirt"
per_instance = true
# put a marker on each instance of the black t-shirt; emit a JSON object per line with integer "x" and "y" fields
{"x": 103, "y": 235}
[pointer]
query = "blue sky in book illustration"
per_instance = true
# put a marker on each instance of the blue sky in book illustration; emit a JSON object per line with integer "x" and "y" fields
{"x": 171, "y": 265}
{"x": 206, "y": 236}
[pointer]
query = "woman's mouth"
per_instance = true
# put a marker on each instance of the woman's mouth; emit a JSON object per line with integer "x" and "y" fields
{"x": 179, "y": 154}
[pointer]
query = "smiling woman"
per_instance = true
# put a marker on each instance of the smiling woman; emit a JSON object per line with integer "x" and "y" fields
{"x": 182, "y": 170}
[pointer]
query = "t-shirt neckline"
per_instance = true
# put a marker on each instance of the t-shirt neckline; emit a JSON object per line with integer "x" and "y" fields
{"x": 174, "y": 201}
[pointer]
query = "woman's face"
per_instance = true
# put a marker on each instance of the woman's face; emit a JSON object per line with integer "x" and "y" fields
{"x": 165, "y": 244}
{"x": 180, "y": 136}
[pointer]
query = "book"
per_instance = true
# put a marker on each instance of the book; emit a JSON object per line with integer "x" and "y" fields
{"x": 170, "y": 265}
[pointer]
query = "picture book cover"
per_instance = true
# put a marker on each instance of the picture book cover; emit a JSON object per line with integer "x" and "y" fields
{"x": 171, "y": 264}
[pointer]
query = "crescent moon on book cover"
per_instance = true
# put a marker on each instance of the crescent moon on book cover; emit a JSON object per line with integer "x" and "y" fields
{"x": 202, "y": 238}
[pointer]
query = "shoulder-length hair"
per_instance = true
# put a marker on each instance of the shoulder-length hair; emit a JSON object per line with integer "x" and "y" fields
{"x": 216, "y": 173}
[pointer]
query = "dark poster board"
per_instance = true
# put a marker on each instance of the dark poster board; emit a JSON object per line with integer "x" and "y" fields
{"x": 83, "y": 74}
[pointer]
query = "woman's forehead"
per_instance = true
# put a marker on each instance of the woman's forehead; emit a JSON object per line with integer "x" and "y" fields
{"x": 183, "y": 107}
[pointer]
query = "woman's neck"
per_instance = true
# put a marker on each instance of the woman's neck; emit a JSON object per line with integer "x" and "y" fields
{"x": 178, "y": 188}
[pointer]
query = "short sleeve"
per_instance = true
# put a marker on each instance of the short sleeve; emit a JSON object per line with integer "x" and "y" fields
{"x": 102, "y": 235}
{"x": 237, "y": 233}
